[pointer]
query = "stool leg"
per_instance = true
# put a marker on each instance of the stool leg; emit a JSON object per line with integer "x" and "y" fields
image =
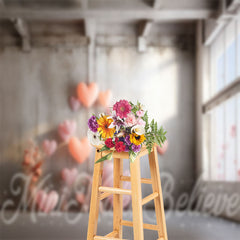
{"x": 136, "y": 199}
{"x": 94, "y": 206}
{"x": 156, "y": 185}
{"x": 117, "y": 198}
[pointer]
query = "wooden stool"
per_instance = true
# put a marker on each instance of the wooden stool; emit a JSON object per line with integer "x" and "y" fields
{"x": 100, "y": 192}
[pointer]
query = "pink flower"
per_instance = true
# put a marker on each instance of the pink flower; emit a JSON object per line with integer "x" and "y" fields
{"x": 131, "y": 120}
{"x": 141, "y": 122}
{"x": 140, "y": 113}
{"x": 122, "y": 108}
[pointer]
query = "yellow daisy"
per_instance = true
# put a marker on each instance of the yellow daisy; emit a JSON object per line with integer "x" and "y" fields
{"x": 137, "y": 139}
{"x": 104, "y": 122}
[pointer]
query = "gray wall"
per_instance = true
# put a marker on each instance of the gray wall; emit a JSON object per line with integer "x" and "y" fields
{"x": 34, "y": 91}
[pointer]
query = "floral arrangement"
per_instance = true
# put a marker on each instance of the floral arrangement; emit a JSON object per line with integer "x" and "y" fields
{"x": 125, "y": 128}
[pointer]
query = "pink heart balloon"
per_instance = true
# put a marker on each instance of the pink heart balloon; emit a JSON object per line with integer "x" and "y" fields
{"x": 104, "y": 98}
{"x": 238, "y": 174}
{"x": 80, "y": 197}
{"x": 163, "y": 148}
{"x": 69, "y": 175}
{"x": 74, "y": 103}
{"x": 87, "y": 94}
{"x": 79, "y": 149}
{"x": 67, "y": 129}
{"x": 46, "y": 201}
{"x": 49, "y": 146}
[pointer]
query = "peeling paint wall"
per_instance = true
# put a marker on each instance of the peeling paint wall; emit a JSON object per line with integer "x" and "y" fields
{"x": 34, "y": 92}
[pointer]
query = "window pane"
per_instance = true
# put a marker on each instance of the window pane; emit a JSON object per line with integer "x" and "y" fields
{"x": 230, "y": 52}
{"x": 230, "y": 133}
{"x": 231, "y": 62}
{"x": 238, "y": 138}
{"x": 239, "y": 54}
{"x": 206, "y": 146}
{"x": 220, "y": 72}
{"x": 238, "y": 39}
{"x": 217, "y": 64}
{"x": 219, "y": 144}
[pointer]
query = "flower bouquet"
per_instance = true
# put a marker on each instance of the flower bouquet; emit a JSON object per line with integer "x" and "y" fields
{"x": 125, "y": 129}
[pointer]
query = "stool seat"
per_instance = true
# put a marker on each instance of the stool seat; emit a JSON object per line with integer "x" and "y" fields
{"x": 123, "y": 155}
{"x": 100, "y": 192}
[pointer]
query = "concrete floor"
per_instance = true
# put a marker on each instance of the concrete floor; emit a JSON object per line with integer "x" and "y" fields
{"x": 181, "y": 226}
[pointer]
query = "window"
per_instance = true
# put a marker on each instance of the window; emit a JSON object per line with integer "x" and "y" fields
{"x": 230, "y": 50}
{"x": 221, "y": 117}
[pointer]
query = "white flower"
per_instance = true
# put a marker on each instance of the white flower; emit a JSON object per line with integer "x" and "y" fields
{"x": 138, "y": 129}
{"x": 114, "y": 113}
{"x": 101, "y": 115}
{"x": 94, "y": 138}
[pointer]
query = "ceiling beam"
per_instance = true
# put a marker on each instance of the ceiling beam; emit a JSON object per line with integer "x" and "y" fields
{"x": 233, "y": 5}
{"x": 225, "y": 14}
{"x": 84, "y": 4}
{"x": 145, "y": 28}
{"x": 157, "y": 3}
{"x": 22, "y": 29}
{"x": 105, "y": 14}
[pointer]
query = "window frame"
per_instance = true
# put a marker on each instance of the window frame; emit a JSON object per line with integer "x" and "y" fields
{"x": 215, "y": 98}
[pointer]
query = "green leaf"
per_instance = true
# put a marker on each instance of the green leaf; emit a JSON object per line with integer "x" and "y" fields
{"x": 106, "y": 157}
{"x": 104, "y": 148}
{"x": 132, "y": 156}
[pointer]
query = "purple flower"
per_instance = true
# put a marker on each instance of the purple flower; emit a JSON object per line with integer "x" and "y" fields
{"x": 92, "y": 124}
{"x": 126, "y": 148}
{"x": 136, "y": 148}
{"x": 127, "y": 140}
{"x": 117, "y": 121}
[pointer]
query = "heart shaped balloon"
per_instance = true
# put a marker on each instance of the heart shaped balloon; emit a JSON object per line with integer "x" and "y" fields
{"x": 69, "y": 175}
{"x": 49, "y": 146}
{"x": 67, "y": 129}
{"x": 80, "y": 197}
{"x": 87, "y": 94}
{"x": 104, "y": 98}
{"x": 74, "y": 103}
{"x": 46, "y": 202}
{"x": 238, "y": 174}
{"x": 163, "y": 148}
{"x": 79, "y": 149}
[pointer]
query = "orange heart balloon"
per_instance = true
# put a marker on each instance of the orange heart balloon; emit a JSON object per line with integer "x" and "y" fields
{"x": 79, "y": 149}
{"x": 104, "y": 98}
{"x": 87, "y": 94}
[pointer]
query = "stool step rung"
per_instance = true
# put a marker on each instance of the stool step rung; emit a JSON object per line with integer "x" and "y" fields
{"x": 143, "y": 180}
{"x": 145, "y": 225}
{"x": 149, "y": 198}
{"x": 107, "y": 238}
{"x": 104, "y": 195}
{"x": 115, "y": 190}
{"x": 112, "y": 234}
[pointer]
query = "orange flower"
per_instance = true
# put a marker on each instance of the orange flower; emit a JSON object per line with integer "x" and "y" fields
{"x": 104, "y": 122}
